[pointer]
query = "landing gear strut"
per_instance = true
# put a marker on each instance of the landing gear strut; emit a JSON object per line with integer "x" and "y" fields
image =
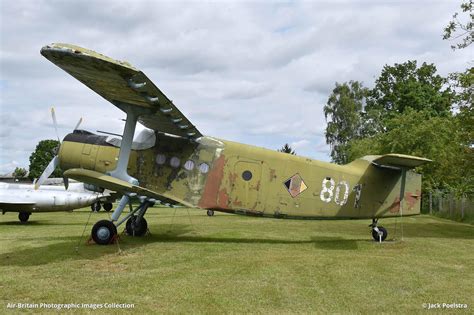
{"x": 379, "y": 233}
{"x": 24, "y": 216}
{"x": 105, "y": 231}
{"x": 136, "y": 226}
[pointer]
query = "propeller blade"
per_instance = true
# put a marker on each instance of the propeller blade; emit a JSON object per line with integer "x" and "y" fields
{"x": 55, "y": 123}
{"x": 78, "y": 123}
{"x": 66, "y": 182}
{"x": 47, "y": 171}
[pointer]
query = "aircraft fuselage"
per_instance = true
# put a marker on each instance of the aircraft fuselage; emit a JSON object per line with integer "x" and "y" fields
{"x": 231, "y": 177}
{"x": 24, "y": 198}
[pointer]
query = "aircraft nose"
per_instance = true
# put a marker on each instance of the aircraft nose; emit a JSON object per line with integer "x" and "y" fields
{"x": 70, "y": 152}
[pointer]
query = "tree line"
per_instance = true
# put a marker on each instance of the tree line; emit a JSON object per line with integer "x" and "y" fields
{"x": 411, "y": 109}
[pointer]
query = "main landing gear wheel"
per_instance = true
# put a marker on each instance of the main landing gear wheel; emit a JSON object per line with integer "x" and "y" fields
{"x": 135, "y": 228}
{"x": 24, "y": 216}
{"x": 104, "y": 232}
{"x": 380, "y": 235}
{"x": 107, "y": 206}
{"x": 95, "y": 207}
{"x": 210, "y": 213}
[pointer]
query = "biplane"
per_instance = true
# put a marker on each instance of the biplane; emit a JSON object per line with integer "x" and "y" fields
{"x": 173, "y": 163}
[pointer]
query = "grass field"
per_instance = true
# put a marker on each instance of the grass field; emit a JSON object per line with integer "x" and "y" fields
{"x": 235, "y": 264}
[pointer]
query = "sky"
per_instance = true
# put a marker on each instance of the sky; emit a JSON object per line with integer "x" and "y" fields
{"x": 255, "y": 72}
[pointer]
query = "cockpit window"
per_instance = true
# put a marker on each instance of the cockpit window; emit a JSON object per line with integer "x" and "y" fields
{"x": 146, "y": 139}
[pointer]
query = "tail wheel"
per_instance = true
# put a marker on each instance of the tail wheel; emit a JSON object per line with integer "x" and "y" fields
{"x": 104, "y": 232}
{"x": 210, "y": 213}
{"x": 95, "y": 207}
{"x": 24, "y": 216}
{"x": 107, "y": 206}
{"x": 380, "y": 235}
{"x": 136, "y": 228}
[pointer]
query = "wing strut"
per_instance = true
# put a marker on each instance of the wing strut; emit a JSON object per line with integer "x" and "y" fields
{"x": 120, "y": 170}
{"x": 133, "y": 114}
{"x": 402, "y": 195}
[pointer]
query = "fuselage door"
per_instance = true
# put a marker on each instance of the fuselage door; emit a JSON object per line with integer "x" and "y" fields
{"x": 247, "y": 185}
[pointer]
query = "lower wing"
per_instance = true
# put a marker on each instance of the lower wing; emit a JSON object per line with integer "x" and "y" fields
{"x": 118, "y": 185}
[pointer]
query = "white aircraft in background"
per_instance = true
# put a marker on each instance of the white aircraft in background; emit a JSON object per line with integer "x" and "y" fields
{"x": 59, "y": 195}
{"x": 25, "y": 199}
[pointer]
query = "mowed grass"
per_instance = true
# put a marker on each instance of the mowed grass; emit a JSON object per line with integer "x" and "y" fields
{"x": 192, "y": 263}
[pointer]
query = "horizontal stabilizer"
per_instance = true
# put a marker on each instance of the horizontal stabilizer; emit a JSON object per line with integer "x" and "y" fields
{"x": 400, "y": 161}
{"x": 114, "y": 184}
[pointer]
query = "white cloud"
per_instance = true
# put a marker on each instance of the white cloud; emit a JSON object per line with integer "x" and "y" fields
{"x": 300, "y": 144}
{"x": 253, "y": 72}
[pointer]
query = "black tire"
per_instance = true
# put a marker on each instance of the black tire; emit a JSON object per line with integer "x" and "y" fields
{"x": 134, "y": 229}
{"x": 210, "y": 213}
{"x": 24, "y": 216}
{"x": 104, "y": 232}
{"x": 107, "y": 206}
{"x": 382, "y": 230}
{"x": 95, "y": 207}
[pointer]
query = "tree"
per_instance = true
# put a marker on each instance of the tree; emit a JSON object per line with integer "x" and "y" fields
{"x": 343, "y": 115}
{"x": 404, "y": 86}
{"x": 40, "y": 158}
{"x": 457, "y": 29}
{"x": 287, "y": 149}
{"x": 19, "y": 172}
{"x": 463, "y": 84}
{"x": 421, "y": 134}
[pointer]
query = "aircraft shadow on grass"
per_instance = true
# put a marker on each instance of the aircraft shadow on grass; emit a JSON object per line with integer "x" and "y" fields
{"x": 321, "y": 242}
{"x": 180, "y": 233}
{"x": 39, "y": 223}
{"x": 66, "y": 249}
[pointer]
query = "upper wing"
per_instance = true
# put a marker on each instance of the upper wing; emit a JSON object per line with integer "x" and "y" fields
{"x": 400, "y": 160}
{"x": 120, "y": 83}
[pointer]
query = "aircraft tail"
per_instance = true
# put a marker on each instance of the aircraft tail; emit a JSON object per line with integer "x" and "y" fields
{"x": 405, "y": 195}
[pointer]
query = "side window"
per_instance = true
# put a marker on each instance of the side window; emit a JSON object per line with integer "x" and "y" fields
{"x": 204, "y": 168}
{"x": 160, "y": 159}
{"x": 175, "y": 162}
{"x": 247, "y": 175}
{"x": 189, "y": 165}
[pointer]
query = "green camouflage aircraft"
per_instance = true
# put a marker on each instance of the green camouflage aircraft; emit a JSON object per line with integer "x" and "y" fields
{"x": 173, "y": 163}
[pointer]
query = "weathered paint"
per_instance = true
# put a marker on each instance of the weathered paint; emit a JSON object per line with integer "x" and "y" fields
{"x": 395, "y": 207}
{"x": 325, "y": 194}
{"x": 216, "y": 181}
{"x": 213, "y": 182}
{"x": 412, "y": 199}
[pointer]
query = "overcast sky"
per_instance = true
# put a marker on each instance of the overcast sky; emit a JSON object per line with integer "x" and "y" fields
{"x": 253, "y": 72}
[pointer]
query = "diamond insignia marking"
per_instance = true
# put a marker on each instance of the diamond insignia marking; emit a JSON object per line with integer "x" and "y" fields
{"x": 295, "y": 185}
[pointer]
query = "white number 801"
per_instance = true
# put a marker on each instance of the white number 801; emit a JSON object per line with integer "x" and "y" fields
{"x": 328, "y": 192}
